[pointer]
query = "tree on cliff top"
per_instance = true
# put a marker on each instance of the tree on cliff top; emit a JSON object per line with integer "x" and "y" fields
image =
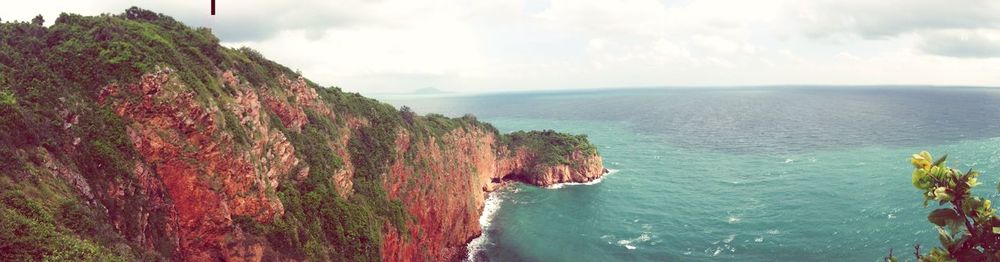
{"x": 968, "y": 228}
{"x": 38, "y": 20}
{"x": 552, "y": 147}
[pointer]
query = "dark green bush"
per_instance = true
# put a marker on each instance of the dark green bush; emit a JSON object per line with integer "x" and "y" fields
{"x": 551, "y": 147}
{"x": 234, "y": 128}
{"x": 29, "y": 233}
{"x": 78, "y": 218}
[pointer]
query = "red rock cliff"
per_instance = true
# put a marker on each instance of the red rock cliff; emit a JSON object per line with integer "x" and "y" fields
{"x": 165, "y": 145}
{"x": 211, "y": 178}
{"x": 448, "y": 202}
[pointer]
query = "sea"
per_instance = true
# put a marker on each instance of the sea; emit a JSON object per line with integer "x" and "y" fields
{"x": 787, "y": 173}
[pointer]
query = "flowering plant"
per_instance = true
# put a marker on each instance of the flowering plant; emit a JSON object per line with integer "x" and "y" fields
{"x": 967, "y": 226}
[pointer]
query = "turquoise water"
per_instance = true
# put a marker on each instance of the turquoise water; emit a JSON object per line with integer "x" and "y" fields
{"x": 763, "y": 174}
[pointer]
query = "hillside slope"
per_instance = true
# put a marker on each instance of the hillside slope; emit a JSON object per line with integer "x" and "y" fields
{"x": 135, "y": 137}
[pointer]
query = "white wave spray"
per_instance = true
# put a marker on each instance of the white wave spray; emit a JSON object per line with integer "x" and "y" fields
{"x": 595, "y": 181}
{"x": 490, "y": 207}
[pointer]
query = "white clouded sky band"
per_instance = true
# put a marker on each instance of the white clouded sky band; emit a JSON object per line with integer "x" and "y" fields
{"x": 484, "y": 45}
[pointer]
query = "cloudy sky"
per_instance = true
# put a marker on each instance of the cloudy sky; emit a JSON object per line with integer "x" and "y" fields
{"x": 379, "y": 46}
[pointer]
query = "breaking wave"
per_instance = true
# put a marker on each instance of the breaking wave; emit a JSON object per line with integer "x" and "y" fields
{"x": 490, "y": 207}
{"x": 595, "y": 181}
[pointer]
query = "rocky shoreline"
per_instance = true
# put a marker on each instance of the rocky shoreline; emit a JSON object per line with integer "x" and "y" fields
{"x": 552, "y": 176}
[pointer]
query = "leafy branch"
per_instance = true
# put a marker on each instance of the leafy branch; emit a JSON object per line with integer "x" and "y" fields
{"x": 967, "y": 226}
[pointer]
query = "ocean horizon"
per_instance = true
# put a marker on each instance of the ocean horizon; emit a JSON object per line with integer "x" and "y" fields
{"x": 740, "y": 174}
{"x": 394, "y": 96}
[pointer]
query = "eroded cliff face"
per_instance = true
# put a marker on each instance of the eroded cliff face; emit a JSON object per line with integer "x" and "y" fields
{"x": 210, "y": 177}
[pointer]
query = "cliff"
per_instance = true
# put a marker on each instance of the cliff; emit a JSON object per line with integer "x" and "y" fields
{"x": 134, "y": 137}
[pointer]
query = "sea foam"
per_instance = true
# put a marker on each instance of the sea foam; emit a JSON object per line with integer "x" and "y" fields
{"x": 595, "y": 181}
{"x": 492, "y": 204}
{"x": 490, "y": 207}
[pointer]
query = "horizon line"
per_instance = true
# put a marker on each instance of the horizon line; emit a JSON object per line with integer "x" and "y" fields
{"x": 449, "y": 92}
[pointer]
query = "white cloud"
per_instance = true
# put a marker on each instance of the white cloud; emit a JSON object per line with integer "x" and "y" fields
{"x": 962, "y": 43}
{"x": 400, "y": 45}
{"x": 964, "y": 29}
{"x": 888, "y": 18}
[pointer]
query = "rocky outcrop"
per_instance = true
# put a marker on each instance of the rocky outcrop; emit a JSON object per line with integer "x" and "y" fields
{"x": 582, "y": 168}
{"x": 208, "y": 176}
{"x": 448, "y": 201}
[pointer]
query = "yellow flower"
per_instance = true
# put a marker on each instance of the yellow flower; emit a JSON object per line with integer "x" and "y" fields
{"x": 986, "y": 204}
{"x": 973, "y": 182}
{"x": 918, "y": 179}
{"x": 921, "y": 160}
{"x": 941, "y": 193}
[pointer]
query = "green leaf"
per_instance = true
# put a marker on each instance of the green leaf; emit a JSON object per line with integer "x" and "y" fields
{"x": 972, "y": 203}
{"x": 941, "y": 160}
{"x": 996, "y": 230}
{"x": 7, "y": 98}
{"x": 955, "y": 229}
{"x": 945, "y": 238}
{"x": 943, "y": 216}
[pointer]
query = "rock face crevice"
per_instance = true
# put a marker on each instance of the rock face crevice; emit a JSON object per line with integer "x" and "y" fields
{"x": 207, "y": 175}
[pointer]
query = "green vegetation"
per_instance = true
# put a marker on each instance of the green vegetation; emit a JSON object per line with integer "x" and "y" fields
{"x": 968, "y": 227}
{"x": 552, "y": 147}
{"x": 15, "y": 133}
{"x": 33, "y": 228}
{"x": 318, "y": 224}
{"x": 7, "y": 99}
{"x": 235, "y": 128}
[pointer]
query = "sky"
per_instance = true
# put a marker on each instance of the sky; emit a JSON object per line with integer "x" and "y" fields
{"x": 386, "y": 46}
